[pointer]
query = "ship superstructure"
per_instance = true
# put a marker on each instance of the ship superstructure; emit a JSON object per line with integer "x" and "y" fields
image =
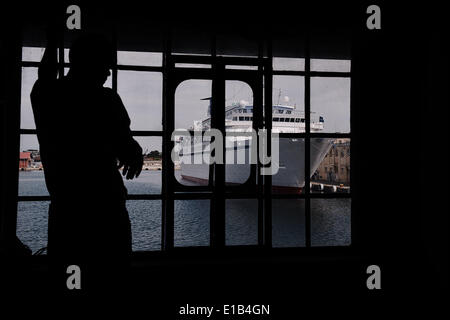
{"x": 285, "y": 119}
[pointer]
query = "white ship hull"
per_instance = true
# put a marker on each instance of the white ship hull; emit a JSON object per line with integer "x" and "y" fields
{"x": 291, "y": 173}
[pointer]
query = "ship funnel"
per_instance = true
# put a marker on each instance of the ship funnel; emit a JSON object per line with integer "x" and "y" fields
{"x": 243, "y": 103}
{"x": 208, "y": 112}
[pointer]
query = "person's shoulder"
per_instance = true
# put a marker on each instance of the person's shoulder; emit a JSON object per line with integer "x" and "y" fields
{"x": 45, "y": 86}
{"x": 111, "y": 94}
{"x": 115, "y": 104}
{"x": 108, "y": 91}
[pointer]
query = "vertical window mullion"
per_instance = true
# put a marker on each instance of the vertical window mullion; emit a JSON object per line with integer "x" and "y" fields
{"x": 114, "y": 67}
{"x": 307, "y": 141}
{"x": 61, "y": 55}
{"x": 217, "y": 220}
{"x": 260, "y": 186}
{"x": 268, "y": 125}
{"x": 168, "y": 204}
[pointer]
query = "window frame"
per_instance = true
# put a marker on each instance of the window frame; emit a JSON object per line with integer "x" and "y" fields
{"x": 266, "y": 67}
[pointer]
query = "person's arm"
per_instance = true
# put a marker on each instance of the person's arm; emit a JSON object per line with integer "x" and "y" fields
{"x": 133, "y": 161}
{"x": 129, "y": 152}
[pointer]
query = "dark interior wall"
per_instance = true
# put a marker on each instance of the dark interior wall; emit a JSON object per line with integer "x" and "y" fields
{"x": 434, "y": 155}
{"x": 10, "y": 83}
{"x": 237, "y": 26}
{"x": 399, "y": 87}
{"x": 404, "y": 91}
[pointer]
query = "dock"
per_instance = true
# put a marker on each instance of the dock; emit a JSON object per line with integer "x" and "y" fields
{"x": 328, "y": 188}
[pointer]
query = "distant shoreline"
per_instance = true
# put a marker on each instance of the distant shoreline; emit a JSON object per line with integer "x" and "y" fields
{"x": 145, "y": 168}
{"x": 30, "y": 169}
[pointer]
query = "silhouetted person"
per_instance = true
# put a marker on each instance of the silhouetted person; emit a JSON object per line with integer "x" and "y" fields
{"x": 84, "y": 136}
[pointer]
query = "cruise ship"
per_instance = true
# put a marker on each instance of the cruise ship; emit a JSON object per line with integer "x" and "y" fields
{"x": 290, "y": 177}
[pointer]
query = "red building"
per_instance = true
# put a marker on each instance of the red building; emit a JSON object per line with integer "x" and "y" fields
{"x": 24, "y": 160}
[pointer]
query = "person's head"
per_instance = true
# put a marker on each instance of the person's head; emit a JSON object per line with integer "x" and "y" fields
{"x": 91, "y": 57}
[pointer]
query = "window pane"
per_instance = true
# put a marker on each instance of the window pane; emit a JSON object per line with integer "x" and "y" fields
{"x": 330, "y": 222}
{"x": 290, "y": 177}
{"x": 35, "y": 54}
{"x": 192, "y": 103}
{"x": 149, "y": 181}
{"x": 241, "y": 222}
{"x": 192, "y": 65}
{"x": 191, "y": 227}
{"x": 29, "y": 77}
{"x": 145, "y": 218}
{"x": 330, "y": 105}
{"x": 288, "y": 223}
{"x": 192, "y": 112}
{"x": 32, "y": 223}
{"x": 31, "y": 173}
{"x": 288, "y": 64}
{"x": 330, "y": 165}
{"x": 135, "y": 58}
{"x": 238, "y": 67}
{"x": 330, "y": 65}
{"x": 66, "y": 55}
{"x": 288, "y": 100}
{"x": 141, "y": 93}
{"x": 238, "y": 103}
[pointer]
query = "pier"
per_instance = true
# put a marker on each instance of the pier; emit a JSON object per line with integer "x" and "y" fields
{"x": 329, "y": 188}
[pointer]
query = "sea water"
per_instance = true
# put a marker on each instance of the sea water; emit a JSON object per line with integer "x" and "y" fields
{"x": 330, "y": 218}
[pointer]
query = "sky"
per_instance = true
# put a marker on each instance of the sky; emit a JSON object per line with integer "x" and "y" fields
{"x": 141, "y": 93}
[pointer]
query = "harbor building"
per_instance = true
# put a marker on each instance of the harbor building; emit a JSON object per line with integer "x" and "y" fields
{"x": 335, "y": 167}
{"x": 24, "y": 160}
